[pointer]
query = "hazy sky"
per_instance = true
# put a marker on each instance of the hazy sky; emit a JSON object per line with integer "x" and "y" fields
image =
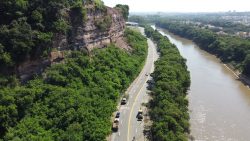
{"x": 182, "y": 5}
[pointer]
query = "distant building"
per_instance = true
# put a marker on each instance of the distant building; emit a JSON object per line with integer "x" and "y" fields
{"x": 221, "y": 33}
{"x": 242, "y": 34}
{"x": 132, "y": 24}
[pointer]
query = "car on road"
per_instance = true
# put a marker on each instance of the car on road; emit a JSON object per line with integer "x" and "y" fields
{"x": 140, "y": 111}
{"x": 140, "y": 115}
{"x": 115, "y": 125}
{"x": 117, "y": 119}
{"x": 124, "y": 101}
{"x": 150, "y": 82}
{"x": 117, "y": 115}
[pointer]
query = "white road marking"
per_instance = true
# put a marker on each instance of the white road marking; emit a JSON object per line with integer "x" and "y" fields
{"x": 119, "y": 133}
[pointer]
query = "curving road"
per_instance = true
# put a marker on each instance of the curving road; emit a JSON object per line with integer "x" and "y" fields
{"x": 129, "y": 128}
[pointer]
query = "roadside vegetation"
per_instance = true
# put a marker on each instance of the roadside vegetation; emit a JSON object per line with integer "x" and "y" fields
{"x": 169, "y": 106}
{"x": 73, "y": 100}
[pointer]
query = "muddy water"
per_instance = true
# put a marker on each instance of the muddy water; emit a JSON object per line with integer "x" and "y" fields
{"x": 219, "y": 104}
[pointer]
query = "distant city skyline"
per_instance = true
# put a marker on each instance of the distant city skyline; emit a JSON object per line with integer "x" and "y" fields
{"x": 182, "y": 5}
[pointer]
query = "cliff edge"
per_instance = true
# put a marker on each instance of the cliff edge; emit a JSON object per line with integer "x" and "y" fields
{"x": 97, "y": 26}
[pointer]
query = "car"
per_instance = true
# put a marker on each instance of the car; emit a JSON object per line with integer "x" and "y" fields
{"x": 146, "y": 74}
{"x": 117, "y": 119}
{"x": 140, "y": 111}
{"x": 124, "y": 101}
{"x": 150, "y": 82}
{"x": 139, "y": 117}
{"x": 117, "y": 115}
{"x": 115, "y": 125}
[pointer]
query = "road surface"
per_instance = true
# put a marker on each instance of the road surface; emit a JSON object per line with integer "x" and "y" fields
{"x": 129, "y": 128}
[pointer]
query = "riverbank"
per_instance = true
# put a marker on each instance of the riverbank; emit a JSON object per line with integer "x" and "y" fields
{"x": 241, "y": 77}
{"x": 218, "y": 103}
{"x": 230, "y": 50}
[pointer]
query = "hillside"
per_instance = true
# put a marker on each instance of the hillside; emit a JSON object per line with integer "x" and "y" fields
{"x": 36, "y": 34}
{"x": 76, "y": 58}
{"x": 73, "y": 100}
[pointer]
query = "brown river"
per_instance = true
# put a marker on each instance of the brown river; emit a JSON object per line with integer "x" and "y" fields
{"x": 219, "y": 104}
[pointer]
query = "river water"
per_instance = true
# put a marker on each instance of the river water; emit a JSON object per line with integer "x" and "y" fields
{"x": 219, "y": 104}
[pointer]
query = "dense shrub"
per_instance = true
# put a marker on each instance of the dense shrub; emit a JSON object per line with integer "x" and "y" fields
{"x": 169, "y": 107}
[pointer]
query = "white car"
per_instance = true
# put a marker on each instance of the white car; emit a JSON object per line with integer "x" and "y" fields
{"x": 116, "y": 119}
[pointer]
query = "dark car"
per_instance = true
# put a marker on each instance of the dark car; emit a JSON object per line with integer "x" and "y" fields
{"x": 139, "y": 117}
{"x": 117, "y": 115}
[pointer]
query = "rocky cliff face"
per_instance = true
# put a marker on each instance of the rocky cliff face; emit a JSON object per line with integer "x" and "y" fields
{"x": 90, "y": 35}
{"x": 94, "y": 32}
{"x": 99, "y": 29}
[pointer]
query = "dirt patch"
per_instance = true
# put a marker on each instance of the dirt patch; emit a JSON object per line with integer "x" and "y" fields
{"x": 122, "y": 44}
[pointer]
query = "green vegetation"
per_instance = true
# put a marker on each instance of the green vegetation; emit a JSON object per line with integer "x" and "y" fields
{"x": 27, "y": 28}
{"x": 73, "y": 100}
{"x": 104, "y": 24}
{"x": 99, "y": 5}
{"x": 169, "y": 107}
{"x": 124, "y": 10}
{"x": 78, "y": 14}
{"x": 231, "y": 22}
{"x": 232, "y": 50}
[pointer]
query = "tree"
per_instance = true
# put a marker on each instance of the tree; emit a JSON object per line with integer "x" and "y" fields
{"x": 246, "y": 65}
{"x": 168, "y": 108}
{"x": 124, "y": 10}
{"x": 5, "y": 58}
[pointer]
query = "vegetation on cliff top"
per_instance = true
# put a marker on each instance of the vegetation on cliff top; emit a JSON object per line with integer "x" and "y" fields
{"x": 124, "y": 10}
{"x": 27, "y": 28}
{"x": 73, "y": 100}
{"x": 169, "y": 106}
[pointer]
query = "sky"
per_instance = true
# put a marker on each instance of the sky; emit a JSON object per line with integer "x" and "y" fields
{"x": 182, "y": 5}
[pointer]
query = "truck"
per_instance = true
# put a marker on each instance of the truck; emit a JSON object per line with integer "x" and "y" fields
{"x": 115, "y": 125}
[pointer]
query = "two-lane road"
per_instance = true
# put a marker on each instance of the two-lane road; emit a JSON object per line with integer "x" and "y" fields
{"x": 129, "y": 127}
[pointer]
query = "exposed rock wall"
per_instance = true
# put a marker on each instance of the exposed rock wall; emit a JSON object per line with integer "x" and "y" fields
{"x": 89, "y": 36}
{"x": 83, "y": 36}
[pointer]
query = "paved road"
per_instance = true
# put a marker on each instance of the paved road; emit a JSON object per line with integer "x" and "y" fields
{"x": 129, "y": 127}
